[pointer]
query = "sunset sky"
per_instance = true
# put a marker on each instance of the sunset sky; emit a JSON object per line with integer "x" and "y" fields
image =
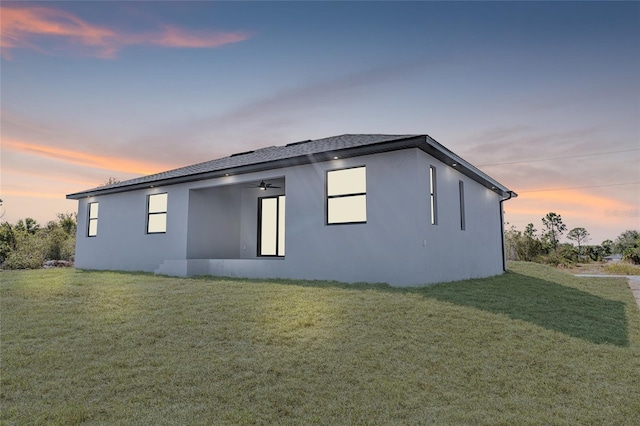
{"x": 542, "y": 96}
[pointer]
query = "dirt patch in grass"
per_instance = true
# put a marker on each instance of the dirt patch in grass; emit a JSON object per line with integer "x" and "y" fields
{"x": 585, "y": 268}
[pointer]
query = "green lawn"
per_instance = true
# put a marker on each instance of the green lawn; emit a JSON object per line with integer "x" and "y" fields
{"x": 534, "y": 346}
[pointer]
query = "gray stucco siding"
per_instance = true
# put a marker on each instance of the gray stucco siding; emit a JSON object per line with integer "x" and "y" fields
{"x": 375, "y": 251}
{"x": 455, "y": 254}
{"x": 212, "y": 226}
{"x": 122, "y": 242}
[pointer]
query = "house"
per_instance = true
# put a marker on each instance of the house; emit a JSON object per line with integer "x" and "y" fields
{"x": 400, "y": 209}
{"x": 613, "y": 258}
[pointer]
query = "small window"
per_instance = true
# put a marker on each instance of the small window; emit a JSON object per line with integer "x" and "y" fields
{"x": 432, "y": 195}
{"x": 461, "y": 190}
{"x": 347, "y": 196}
{"x": 92, "y": 229}
{"x": 157, "y": 214}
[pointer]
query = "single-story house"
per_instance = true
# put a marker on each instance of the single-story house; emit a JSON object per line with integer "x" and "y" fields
{"x": 613, "y": 258}
{"x": 400, "y": 209}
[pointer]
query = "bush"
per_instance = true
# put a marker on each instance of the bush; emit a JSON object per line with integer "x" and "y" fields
{"x": 7, "y": 240}
{"x": 26, "y": 245}
{"x": 30, "y": 252}
{"x": 58, "y": 245}
{"x": 632, "y": 255}
{"x": 564, "y": 255}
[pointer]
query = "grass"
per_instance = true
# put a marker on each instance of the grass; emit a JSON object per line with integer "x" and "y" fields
{"x": 534, "y": 346}
{"x": 622, "y": 268}
{"x": 602, "y": 268}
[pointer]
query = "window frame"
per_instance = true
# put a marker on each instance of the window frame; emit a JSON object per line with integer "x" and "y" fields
{"x": 280, "y": 238}
{"x": 91, "y": 220}
{"x": 150, "y": 213}
{"x": 433, "y": 194}
{"x": 349, "y": 195}
{"x": 463, "y": 225}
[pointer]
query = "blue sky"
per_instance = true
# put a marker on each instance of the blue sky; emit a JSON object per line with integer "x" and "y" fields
{"x": 98, "y": 89}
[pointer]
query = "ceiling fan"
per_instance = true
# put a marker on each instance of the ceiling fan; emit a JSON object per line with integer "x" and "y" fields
{"x": 262, "y": 186}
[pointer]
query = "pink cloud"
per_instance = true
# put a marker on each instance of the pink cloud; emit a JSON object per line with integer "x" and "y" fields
{"x": 68, "y": 156}
{"x": 172, "y": 36}
{"x": 26, "y": 27}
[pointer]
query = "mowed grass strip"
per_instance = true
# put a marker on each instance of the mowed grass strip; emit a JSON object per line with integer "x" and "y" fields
{"x": 534, "y": 346}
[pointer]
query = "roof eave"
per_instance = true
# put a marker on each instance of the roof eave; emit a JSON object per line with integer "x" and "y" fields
{"x": 437, "y": 150}
{"x": 411, "y": 142}
{"x": 422, "y": 142}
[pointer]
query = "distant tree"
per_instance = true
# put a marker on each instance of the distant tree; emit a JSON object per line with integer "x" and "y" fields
{"x": 511, "y": 240}
{"x": 566, "y": 254}
{"x": 109, "y": 182}
{"x": 595, "y": 253}
{"x": 7, "y": 240}
{"x": 632, "y": 255}
{"x": 554, "y": 228}
{"x": 522, "y": 246}
{"x": 531, "y": 246}
{"x": 530, "y": 231}
{"x": 29, "y": 225}
{"x": 580, "y": 236}
{"x": 68, "y": 222}
{"x": 628, "y": 244}
{"x": 2, "y": 212}
{"x": 607, "y": 247}
{"x": 628, "y": 239}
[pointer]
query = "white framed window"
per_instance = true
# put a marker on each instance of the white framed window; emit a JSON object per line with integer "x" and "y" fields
{"x": 347, "y": 195}
{"x": 461, "y": 191}
{"x": 92, "y": 222}
{"x": 157, "y": 213}
{"x": 433, "y": 194}
{"x": 271, "y": 224}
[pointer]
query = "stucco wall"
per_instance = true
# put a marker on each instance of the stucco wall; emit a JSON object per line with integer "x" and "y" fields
{"x": 397, "y": 245}
{"x": 122, "y": 242}
{"x": 450, "y": 253}
{"x": 380, "y": 250}
{"x": 214, "y": 223}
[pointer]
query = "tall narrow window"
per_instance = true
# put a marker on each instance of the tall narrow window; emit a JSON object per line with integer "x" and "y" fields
{"x": 157, "y": 213}
{"x": 461, "y": 188}
{"x": 271, "y": 225}
{"x": 432, "y": 195}
{"x": 92, "y": 229}
{"x": 281, "y": 211}
{"x": 347, "y": 195}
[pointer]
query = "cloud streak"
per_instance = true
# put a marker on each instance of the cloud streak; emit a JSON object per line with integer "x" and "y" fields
{"x": 34, "y": 194}
{"x": 31, "y": 27}
{"x": 118, "y": 164}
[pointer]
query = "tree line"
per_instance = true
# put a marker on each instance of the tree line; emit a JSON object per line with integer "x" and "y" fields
{"x": 27, "y": 244}
{"x": 544, "y": 246}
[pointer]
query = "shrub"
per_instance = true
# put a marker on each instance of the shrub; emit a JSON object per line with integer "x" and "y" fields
{"x": 30, "y": 252}
{"x": 27, "y": 245}
{"x": 7, "y": 240}
{"x": 632, "y": 255}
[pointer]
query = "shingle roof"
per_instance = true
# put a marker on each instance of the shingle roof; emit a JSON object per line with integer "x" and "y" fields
{"x": 273, "y": 157}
